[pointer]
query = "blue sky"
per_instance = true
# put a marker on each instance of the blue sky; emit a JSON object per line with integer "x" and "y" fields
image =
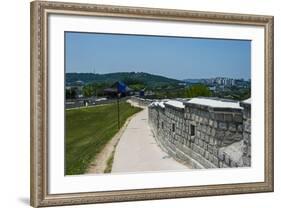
{"x": 174, "y": 57}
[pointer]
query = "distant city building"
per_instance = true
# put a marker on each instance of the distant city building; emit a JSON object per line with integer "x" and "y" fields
{"x": 223, "y": 81}
{"x": 213, "y": 88}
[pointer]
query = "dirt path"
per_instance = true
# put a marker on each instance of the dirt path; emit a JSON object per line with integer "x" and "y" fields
{"x": 100, "y": 163}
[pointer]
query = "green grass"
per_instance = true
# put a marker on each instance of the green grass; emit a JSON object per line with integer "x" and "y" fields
{"x": 87, "y": 132}
{"x": 109, "y": 163}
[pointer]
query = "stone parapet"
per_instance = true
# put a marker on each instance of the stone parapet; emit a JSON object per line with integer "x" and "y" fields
{"x": 141, "y": 101}
{"x": 206, "y": 136}
{"x": 247, "y": 132}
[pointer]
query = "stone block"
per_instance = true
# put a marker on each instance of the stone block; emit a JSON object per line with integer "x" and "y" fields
{"x": 202, "y": 151}
{"x": 195, "y": 148}
{"x": 213, "y": 132}
{"x": 227, "y": 159}
{"x": 207, "y": 138}
{"x": 200, "y": 142}
{"x": 202, "y": 136}
{"x": 215, "y": 151}
{"x": 233, "y": 164}
{"x": 228, "y": 134}
{"x": 204, "y": 129}
{"x": 245, "y": 149}
{"x": 205, "y": 146}
{"x": 188, "y": 143}
{"x": 208, "y": 131}
{"x": 215, "y": 124}
{"x": 205, "y": 121}
{"x": 247, "y": 161}
{"x": 249, "y": 151}
{"x": 210, "y": 149}
{"x": 193, "y": 117}
{"x": 215, "y": 161}
{"x": 192, "y": 138}
{"x": 207, "y": 154}
{"x": 247, "y": 127}
{"x": 211, "y": 158}
{"x": 246, "y": 136}
{"x": 211, "y": 141}
{"x": 240, "y": 127}
{"x": 191, "y": 145}
{"x": 232, "y": 127}
{"x": 222, "y": 125}
{"x": 221, "y": 156}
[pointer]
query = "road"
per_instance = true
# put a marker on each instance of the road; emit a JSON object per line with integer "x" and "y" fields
{"x": 138, "y": 151}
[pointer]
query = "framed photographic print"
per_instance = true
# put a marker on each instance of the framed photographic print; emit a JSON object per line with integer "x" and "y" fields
{"x": 145, "y": 103}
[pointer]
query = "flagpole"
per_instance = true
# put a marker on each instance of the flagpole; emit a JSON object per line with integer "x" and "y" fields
{"x": 118, "y": 110}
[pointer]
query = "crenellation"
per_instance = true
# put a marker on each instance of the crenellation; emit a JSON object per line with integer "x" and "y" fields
{"x": 228, "y": 117}
{"x": 219, "y": 116}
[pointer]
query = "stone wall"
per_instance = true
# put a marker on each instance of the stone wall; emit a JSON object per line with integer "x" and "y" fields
{"x": 199, "y": 135}
{"x": 246, "y": 133}
{"x": 141, "y": 101}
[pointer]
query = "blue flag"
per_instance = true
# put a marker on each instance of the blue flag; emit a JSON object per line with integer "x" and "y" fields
{"x": 121, "y": 87}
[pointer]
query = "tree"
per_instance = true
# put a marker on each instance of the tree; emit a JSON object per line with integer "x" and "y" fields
{"x": 197, "y": 90}
{"x": 70, "y": 93}
{"x": 88, "y": 90}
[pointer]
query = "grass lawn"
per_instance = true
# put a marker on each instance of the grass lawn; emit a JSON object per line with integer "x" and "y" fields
{"x": 87, "y": 132}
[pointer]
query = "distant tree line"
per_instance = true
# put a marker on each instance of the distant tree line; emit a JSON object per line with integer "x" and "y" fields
{"x": 234, "y": 93}
{"x": 94, "y": 89}
{"x": 161, "y": 87}
{"x": 184, "y": 92}
{"x": 70, "y": 93}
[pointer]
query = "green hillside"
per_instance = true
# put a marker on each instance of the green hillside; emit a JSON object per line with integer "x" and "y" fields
{"x": 148, "y": 80}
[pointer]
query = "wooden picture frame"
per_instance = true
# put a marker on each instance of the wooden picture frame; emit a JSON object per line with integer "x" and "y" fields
{"x": 39, "y": 103}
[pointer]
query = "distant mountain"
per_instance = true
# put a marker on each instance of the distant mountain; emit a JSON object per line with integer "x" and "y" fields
{"x": 147, "y": 79}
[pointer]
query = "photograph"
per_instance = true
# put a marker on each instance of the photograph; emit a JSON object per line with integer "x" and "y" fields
{"x": 134, "y": 103}
{"x": 145, "y": 103}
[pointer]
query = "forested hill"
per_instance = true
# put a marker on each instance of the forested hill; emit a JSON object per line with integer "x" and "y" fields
{"x": 147, "y": 79}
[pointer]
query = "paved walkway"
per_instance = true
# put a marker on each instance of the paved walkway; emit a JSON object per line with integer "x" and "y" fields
{"x": 138, "y": 151}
